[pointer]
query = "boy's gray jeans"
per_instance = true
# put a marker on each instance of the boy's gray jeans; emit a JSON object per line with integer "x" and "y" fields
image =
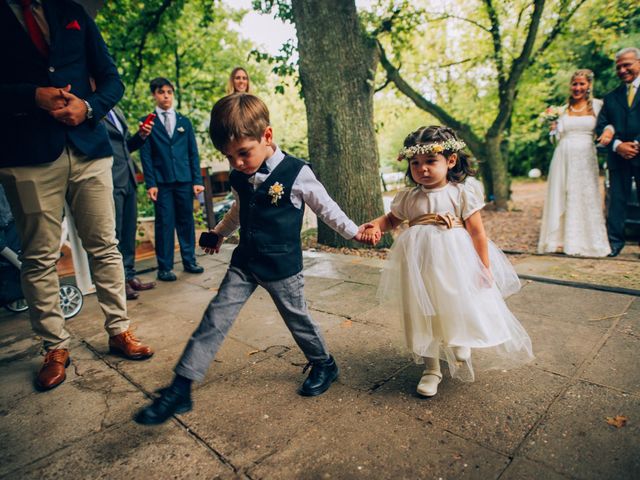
{"x": 235, "y": 289}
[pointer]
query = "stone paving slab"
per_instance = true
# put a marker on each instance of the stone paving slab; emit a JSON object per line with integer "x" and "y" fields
{"x": 574, "y": 438}
{"x": 367, "y": 441}
{"x": 611, "y": 366}
{"x": 62, "y": 413}
{"x": 130, "y": 451}
{"x": 502, "y": 413}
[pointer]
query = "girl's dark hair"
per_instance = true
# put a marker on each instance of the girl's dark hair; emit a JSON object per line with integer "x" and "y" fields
{"x": 436, "y": 134}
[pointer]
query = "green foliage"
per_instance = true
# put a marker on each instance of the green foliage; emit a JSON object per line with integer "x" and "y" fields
{"x": 145, "y": 205}
{"x": 195, "y": 44}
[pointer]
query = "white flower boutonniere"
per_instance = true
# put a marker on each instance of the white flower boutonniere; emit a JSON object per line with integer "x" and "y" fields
{"x": 275, "y": 192}
{"x": 180, "y": 129}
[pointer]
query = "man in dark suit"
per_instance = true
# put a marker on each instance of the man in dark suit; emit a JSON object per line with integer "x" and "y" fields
{"x": 124, "y": 194}
{"x": 55, "y": 149}
{"x": 172, "y": 174}
{"x": 619, "y": 122}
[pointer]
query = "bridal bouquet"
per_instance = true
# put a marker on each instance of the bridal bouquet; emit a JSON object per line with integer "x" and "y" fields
{"x": 551, "y": 114}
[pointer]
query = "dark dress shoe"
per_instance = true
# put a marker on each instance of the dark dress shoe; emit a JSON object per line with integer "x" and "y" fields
{"x": 193, "y": 268}
{"x": 131, "y": 293}
{"x": 320, "y": 378}
{"x": 138, "y": 285}
{"x": 167, "y": 404}
{"x": 615, "y": 251}
{"x": 128, "y": 346}
{"x": 53, "y": 371}
{"x": 167, "y": 276}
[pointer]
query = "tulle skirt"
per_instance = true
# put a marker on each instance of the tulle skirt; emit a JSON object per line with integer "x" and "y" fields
{"x": 444, "y": 297}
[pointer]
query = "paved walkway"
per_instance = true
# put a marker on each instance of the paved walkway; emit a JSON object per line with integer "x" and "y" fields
{"x": 546, "y": 420}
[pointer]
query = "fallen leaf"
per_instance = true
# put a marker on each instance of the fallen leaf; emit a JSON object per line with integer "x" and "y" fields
{"x": 618, "y": 421}
{"x": 253, "y": 352}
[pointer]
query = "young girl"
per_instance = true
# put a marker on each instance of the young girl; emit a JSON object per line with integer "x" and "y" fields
{"x": 447, "y": 279}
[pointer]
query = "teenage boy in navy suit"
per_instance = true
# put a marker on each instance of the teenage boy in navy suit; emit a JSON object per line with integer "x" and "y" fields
{"x": 271, "y": 189}
{"x": 172, "y": 175}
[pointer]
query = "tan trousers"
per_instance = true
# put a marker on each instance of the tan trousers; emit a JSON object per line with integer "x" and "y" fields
{"x": 37, "y": 194}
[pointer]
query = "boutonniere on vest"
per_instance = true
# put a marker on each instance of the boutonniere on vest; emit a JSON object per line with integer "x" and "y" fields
{"x": 180, "y": 129}
{"x": 275, "y": 192}
{"x": 73, "y": 25}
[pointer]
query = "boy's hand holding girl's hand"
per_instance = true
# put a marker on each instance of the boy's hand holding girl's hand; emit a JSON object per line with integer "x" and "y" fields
{"x": 368, "y": 234}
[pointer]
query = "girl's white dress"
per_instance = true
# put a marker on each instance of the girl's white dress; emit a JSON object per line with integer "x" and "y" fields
{"x": 443, "y": 294}
{"x": 573, "y": 218}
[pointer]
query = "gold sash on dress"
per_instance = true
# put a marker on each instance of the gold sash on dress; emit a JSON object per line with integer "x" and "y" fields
{"x": 446, "y": 220}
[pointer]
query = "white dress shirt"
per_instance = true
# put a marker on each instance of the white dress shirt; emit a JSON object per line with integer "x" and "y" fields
{"x": 306, "y": 189}
{"x": 172, "y": 118}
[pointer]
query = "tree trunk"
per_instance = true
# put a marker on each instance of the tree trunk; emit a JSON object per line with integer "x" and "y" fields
{"x": 499, "y": 173}
{"x": 337, "y": 66}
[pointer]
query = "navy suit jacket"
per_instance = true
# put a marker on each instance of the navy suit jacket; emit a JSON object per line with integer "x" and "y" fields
{"x": 169, "y": 160}
{"x": 28, "y": 134}
{"x": 625, "y": 120}
{"x": 123, "y": 144}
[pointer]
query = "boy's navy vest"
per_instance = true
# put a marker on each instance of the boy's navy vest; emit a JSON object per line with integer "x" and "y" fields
{"x": 270, "y": 244}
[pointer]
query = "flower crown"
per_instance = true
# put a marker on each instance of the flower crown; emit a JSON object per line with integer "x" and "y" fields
{"x": 452, "y": 144}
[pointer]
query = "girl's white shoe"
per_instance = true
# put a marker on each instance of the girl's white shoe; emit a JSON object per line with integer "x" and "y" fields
{"x": 429, "y": 382}
{"x": 462, "y": 354}
{"x": 431, "y": 377}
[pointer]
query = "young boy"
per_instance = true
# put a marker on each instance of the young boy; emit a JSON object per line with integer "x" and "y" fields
{"x": 172, "y": 174}
{"x": 271, "y": 189}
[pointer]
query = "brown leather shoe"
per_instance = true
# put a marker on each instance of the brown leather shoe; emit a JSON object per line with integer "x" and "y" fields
{"x": 53, "y": 371}
{"x": 131, "y": 293}
{"x": 139, "y": 285}
{"x": 128, "y": 346}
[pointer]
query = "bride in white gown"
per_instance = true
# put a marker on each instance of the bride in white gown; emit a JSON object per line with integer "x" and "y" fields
{"x": 573, "y": 220}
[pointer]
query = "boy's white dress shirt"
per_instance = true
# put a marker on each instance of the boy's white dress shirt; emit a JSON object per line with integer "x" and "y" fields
{"x": 306, "y": 189}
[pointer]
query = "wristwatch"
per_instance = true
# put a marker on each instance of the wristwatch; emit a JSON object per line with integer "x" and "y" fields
{"x": 89, "y": 110}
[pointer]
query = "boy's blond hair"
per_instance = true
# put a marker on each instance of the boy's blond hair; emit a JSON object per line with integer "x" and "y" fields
{"x": 236, "y": 116}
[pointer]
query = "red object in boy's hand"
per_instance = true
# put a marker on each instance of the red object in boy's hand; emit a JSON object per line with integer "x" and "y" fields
{"x": 148, "y": 120}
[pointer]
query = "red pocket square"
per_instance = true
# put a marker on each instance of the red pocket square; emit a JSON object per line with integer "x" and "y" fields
{"x": 73, "y": 25}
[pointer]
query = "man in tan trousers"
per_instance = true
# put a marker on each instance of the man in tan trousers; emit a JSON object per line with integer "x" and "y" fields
{"x": 56, "y": 149}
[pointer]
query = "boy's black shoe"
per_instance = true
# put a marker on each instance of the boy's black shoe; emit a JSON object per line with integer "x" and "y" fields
{"x": 164, "y": 407}
{"x": 320, "y": 378}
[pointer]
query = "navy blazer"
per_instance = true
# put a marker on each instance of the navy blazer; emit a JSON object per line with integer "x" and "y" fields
{"x": 123, "y": 144}
{"x": 169, "y": 160}
{"x": 28, "y": 134}
{"x": 625, "y": 120}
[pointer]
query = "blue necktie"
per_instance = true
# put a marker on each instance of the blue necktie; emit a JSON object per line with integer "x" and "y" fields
{"x": 264, "y": 169}
{"x": 114, "y": 120}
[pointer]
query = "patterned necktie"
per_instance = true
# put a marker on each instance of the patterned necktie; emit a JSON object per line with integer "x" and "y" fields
{"x": 167, "y": 122}
{"x": 33, "y": 28}
{"x": 631, "y": 93}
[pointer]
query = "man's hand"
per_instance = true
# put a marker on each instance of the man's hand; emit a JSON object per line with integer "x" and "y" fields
{"x": 153, "y": 193}
{"x": 605, "y": 138}
{"x": 145, "y": 129}
{"x": 628, "y": 150}
{"x": 197, "y": 189}
{"x": 51, "y": 98}
{"x": 74, "y": 113}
